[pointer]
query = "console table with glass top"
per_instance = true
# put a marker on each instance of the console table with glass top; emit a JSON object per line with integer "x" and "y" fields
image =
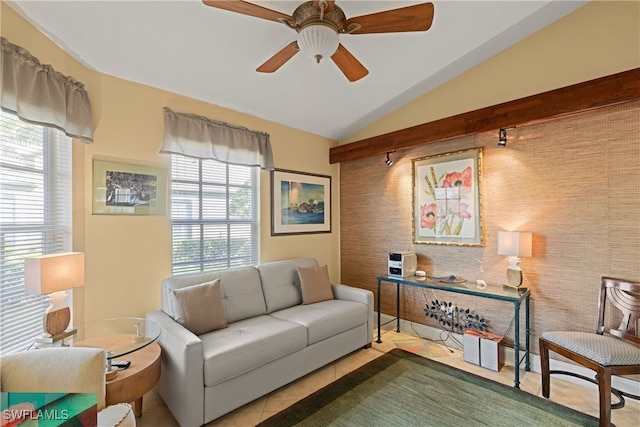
{"x": 516, "y": 297}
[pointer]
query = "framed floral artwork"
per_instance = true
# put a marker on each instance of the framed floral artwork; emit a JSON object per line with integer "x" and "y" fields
{"x": 446, "y": 199}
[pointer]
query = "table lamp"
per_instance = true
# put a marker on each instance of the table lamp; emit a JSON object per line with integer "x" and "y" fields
{"x": 52, "y": 275}
{"x": 514, "y": 244}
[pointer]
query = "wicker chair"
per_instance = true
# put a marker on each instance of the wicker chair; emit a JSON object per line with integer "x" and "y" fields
{"x": 611, "y": 350}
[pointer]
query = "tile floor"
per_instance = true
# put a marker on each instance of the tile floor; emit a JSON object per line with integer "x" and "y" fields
{"x": 579, "y": 397}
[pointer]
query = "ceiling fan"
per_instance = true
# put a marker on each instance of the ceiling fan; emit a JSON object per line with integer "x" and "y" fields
{"x": 319, "y": 22}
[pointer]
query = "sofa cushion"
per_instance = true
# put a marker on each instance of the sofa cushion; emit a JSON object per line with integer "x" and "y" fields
{"x": 315, "y": 284}
{"x": 281, "y": 284}
{"x": 242, "y": 291}
{"x": 325, "y": 319}
{"x": 200, "y": 308}
{"x": 247, "y": 345}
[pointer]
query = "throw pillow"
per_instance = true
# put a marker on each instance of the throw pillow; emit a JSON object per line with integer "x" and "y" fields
{"x": 200, "y": 308}
{"x": 315, "y": 284}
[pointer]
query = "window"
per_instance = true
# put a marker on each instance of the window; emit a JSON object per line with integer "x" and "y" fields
{"x": 214, "y": 215}
{"x": 35, "y": 219}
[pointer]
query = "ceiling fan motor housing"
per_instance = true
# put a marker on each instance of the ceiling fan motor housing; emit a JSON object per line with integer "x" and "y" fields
{"x": 306, "y": 14}
{"x": 318, "y": 29}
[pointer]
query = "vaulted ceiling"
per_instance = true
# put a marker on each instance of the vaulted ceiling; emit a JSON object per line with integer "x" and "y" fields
{"x": 211, "y": 54}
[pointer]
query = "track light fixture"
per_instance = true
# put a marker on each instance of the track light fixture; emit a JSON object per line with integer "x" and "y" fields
{"x": 388, "y": 160}
{"x": 502, "y": 136}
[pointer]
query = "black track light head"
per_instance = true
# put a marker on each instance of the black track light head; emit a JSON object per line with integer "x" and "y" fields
{"x": 502, "y": 137}
{"x": 388, "y": 160}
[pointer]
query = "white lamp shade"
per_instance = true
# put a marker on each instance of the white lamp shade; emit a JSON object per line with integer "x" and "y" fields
{"x": 318, "y": 41}
{"x": 514, "y": 243}
{"x": 46, "y": 274}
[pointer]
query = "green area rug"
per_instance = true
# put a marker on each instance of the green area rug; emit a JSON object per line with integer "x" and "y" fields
{"x": 404, "y": 389}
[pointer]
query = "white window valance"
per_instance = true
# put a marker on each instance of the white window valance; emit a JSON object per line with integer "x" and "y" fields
{"x": 202, "y": 138}
{"x": 37, "y": 93}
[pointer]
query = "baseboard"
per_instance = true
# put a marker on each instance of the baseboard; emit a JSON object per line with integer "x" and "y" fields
{"x": 455, "y": 341}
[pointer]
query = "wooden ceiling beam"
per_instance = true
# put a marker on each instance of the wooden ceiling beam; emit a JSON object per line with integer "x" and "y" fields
{"x": 602, "y": 92}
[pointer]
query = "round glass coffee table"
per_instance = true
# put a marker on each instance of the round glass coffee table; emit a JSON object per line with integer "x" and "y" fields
{"x": 118, "y": 336}
{"x": 125, "y": 339}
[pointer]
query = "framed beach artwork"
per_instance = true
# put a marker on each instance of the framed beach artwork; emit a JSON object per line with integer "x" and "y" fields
{"x": 126, "y": 189}
{"x": 447, "y": 199}
{"x": 300, "y": 203}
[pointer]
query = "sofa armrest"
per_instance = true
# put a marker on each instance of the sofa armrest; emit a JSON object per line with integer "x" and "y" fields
{"x": 181, "y": 382}
{"x": 364, "y": 296}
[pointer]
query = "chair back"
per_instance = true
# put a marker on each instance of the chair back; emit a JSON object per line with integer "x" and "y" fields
{"x": 625, "y": 296}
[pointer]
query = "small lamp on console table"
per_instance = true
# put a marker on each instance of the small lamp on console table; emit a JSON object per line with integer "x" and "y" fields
{"x": 52, "y": 275}
{"x": 514, "y": 244}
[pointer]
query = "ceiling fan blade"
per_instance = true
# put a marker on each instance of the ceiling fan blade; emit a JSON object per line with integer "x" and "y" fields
{"x": 411, "y": 18}
{"x": 246, "y": 8}
{"x": 279, "y": 59}
{"x": 348, "y": 64}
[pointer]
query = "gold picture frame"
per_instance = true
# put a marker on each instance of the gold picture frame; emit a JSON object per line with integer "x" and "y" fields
{"x": 128, "y": 189}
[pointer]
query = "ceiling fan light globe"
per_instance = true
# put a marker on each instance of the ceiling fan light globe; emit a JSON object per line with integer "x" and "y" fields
{"x": 318, "y": 41}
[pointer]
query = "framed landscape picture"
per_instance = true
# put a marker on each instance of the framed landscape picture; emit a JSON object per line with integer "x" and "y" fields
{"x": 446, "y": 199}
{"x": 126, "y": 189}
{"x": 300, "y": 203}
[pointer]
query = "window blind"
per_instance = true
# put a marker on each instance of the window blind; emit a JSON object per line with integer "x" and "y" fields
{"x": 214, "y": 215}
{"x": 35, "y": 219}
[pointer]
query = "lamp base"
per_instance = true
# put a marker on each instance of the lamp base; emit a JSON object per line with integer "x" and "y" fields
{"x": 50, "y": 339}
{"x": 56, "y": 321}
{"x": 514, "y": 288}
{"x": 514, "y": 277}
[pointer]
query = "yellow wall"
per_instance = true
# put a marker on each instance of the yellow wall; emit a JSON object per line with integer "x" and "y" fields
{"x": 128, "y": 256}
{"x": 599, "y": 39}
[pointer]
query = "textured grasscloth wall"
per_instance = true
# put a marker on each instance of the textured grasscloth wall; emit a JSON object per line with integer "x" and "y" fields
{"x": 573, "y": 182}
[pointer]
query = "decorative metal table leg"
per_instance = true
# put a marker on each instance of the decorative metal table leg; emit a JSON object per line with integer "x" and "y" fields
{"x": 527, "y": 355}
{"x": 379, "y": 336}
{"x": 516, "y": 346}
{"x": 397, "y": 307}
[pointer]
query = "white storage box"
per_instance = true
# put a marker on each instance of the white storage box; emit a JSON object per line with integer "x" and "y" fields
{"x": 484, "y": 349}
{"x": 492, "y": 351}
{"x": 471, "y": 345}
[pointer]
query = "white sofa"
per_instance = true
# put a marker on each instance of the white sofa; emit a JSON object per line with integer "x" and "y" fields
{"x": 272, "y": 338}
